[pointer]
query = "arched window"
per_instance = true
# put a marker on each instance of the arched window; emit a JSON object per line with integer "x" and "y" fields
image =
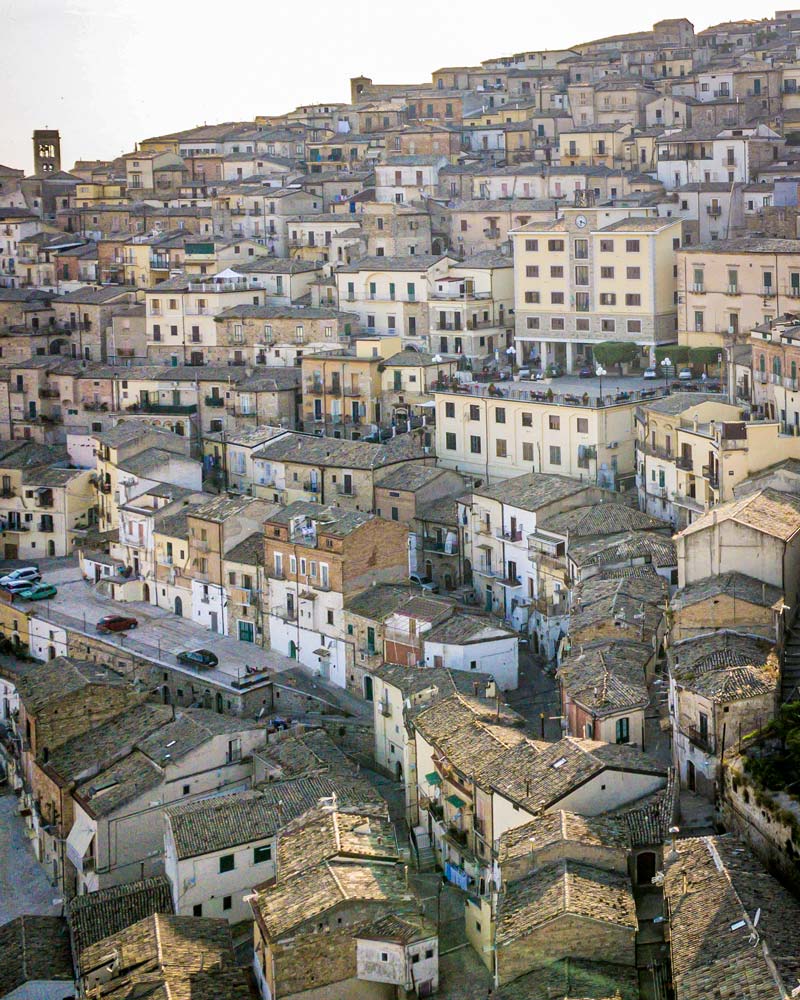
{"x": 776, "y": 366}
{"x": 794, "y": 371}
{"x": 762, "y": 363}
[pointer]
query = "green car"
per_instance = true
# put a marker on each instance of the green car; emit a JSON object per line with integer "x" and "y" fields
{"x": 38, "y": 592}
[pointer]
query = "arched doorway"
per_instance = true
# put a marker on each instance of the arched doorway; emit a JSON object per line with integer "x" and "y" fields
{"x": 293, "y": 649}
{"x": 51, "y": 652}
{"x": 219, "y": 703}
{"x": 645, "y": 867}
{"x": 178, "y": 606}
{"x": 398, "y": 771}
{"x": 368, "y": 688}
{"x": 166, "y": 695}
{"x": 146, "y": 593}
{"x": 691, "y": 779}
{"x": 51, "y": 547}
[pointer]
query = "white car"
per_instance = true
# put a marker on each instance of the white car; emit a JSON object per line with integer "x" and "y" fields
{"x": 25, "y": 574}
{"x": 650, "y": 373}
{"x": 685, "y": 375}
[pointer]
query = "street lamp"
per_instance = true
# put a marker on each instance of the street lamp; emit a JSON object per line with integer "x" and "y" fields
{"x": 600, "y": 372}
{"x": 666, "y": 364}
{"x": 511, "y": 352}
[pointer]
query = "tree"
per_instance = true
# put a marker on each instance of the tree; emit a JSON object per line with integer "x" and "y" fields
{"x": 704, "y": 356}
{"x": 615, "y": 352}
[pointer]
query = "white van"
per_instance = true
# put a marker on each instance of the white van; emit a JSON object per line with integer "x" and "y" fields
{"x": 25, "y": 574}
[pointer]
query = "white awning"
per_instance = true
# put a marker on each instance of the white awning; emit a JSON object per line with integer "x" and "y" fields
{"x": 80, "y": 836}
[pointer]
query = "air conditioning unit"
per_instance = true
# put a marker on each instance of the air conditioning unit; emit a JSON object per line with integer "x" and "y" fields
{"x": 613, "y": 444}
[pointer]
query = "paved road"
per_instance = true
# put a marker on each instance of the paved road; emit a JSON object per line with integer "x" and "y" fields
{"x": 24, "y": 887}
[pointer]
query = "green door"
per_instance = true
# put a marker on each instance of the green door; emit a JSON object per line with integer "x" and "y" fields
{"x": 246, "y": 632}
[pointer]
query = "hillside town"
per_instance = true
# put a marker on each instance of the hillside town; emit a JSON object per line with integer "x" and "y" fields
{"x": 400, "y": 539}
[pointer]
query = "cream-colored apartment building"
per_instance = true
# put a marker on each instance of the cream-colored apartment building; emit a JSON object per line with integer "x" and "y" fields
{"x": 694, "y": 448}
{"x": 727, "y": 287}
{"x": 593, "y": 275}
{"x": 495, "y": 433}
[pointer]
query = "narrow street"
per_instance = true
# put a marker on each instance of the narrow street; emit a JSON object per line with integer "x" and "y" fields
{"x": 24, "y": 886}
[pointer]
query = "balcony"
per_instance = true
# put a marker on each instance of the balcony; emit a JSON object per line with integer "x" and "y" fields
{"x": 702, "y": 740}
{"x": 767, "y": 292}
{"x": 684, "y": 462}
{"x": 352, "y": 390}
{"x": 434, "y": 545}
{"x": 457, "y": 835}
{"x": 163, "y": 408}
{"x": 49, "y": 394}
{"x": 715, "y": 211}
{"x": 333, "y": 388}
{"x": 345, "y": 491}
{"x": 510, "y": 536}
{"x": 105, "y": 487}
{"x": 286, "y": 614}
{"x": 311, "y": 486}
{"x": 8, "y": 492}
{"x": 732, "y": 290}
{"x": 386, "y": 709}
{"x": 313, "y": 385}
{"x": 45, "y": 526}
{"x": 711, "y": 476}
{"x": 216, "y": 401}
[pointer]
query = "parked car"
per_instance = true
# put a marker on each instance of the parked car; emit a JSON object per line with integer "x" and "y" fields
{"x": 30, "y": 574}
{"x": 554, "y": 371}
{"x": 586, "y": 372}
{"x": 38, "y": 592}
{"x": 116, "y": 623}
{"x": 685, "y": 375}
{"x": 425, "y": 582}
{"x": 198, "y": 658}
{"x": 650, "y": 373}
{"x": 17, "y": 586}
{"x": 524, "y": 373}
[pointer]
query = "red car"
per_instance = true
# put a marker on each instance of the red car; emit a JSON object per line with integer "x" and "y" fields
{"x": 116, "y": 623}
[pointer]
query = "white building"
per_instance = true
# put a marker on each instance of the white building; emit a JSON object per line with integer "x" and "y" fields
{"x": 216, "y": 850}
{"x": 470, "y": 643}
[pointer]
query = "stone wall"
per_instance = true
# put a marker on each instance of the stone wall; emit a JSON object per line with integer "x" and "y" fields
{"x": 769, "y": 822}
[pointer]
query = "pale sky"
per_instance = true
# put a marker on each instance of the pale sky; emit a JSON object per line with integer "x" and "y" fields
{"x": 109, "y": 72}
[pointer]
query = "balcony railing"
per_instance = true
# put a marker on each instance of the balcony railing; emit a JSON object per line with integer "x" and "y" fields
{"x": 711, "y": 476}
{"x": 163, "y": 408}
{"x": 703, "y": 740}
{"x": 434, "y": 545}
{"x": 684, "y": 462}
{"x": 215, "y": 401}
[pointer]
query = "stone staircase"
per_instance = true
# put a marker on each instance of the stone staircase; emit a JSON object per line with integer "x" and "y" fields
{"x": 790, "y": 670}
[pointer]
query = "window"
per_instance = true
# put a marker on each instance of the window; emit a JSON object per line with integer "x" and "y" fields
{"x": 582, "y": 302}
{"x": 531, "y": 245}
{"x": 532, "y": 322}
{"x": 555, "y": 454}
{"x": 698, "y": 322}
{"x": 557, "y": 298}
{"x": 608, "y": 299}
{"x": 633, "y": 300}
{"x": 527, "y": 451}
{"x": 450, "y": 441}
{"x": 197, "y": 910}
{"x": 631, "y": 246}
{"x": 634, "y": 326}
{"x": 557, "y": 272}
{"x": 557, "y": 324}
{"x": 623, "y": 731}
{"x": 555, "y": 246}
{"x": 554, "y": 423}
{"x": 475, "y": 444}
{"x": 500, "y": 448}
{"x": 581, "y": 249}
{"x": 608, "y": 325}
{"x": 583, "y": 425}
{"x": 532, "y": 271}
{"x": 532, "y": 297}
{"x": 227, "y": 902}
{"x": 449, "y": 409}
{"x": 474, "y": 412}
{"x": 606, "y": 272}
{"x": 581, "y": 275}
{"x": 500, "y": 415}
{"x": 234, "y": 750}
{"x": 227, "y": 863}
{"x": 633, "y": 273}
{"x": 606, "y": 246}
{"x": 527, "y": 420}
